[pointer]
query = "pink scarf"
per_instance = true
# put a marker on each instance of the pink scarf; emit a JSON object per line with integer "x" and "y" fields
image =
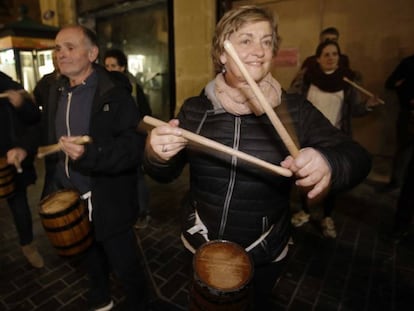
{"x": 243, "y": 101}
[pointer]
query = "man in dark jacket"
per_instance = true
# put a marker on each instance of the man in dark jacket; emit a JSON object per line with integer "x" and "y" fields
{"x": 87, "y": 100}
{"x": 17, "y": 115}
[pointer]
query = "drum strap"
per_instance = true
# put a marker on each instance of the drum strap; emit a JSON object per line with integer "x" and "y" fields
{"x": 87, "y": 196}
{"x": 200, "y": 227}
{"x": 260, "y": 239}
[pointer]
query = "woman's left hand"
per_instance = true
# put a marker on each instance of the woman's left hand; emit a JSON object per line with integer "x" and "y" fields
{"x": 311, "y": 169}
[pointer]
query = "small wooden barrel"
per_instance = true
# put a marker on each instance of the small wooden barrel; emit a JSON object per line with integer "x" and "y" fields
{"x": 7, "y": 173}
{"x": 65, "y": 219}
{"x": 222, "y": 274}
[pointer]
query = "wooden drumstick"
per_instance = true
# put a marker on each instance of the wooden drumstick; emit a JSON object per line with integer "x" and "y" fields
{"x": 5, "y": 95}
{"x": 16, "y": 163}
{"x": 362, "y": 90}
{"x": 46, "y": 150}
{"x": 211, "y": 144}
{"x": 281, "y": 130}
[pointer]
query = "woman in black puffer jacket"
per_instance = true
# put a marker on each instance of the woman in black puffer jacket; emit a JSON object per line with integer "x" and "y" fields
{"x": 228, "y": 198}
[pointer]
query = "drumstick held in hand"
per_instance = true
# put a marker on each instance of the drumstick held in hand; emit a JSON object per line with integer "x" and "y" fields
{"x": 46, "y": 150}
{"x": 281, "y": 130}
{"x": 16, "y": 163}
{"x": 362, "y": 90}
{"x": 5, "y": 95}
{"x": 206, "y": 142}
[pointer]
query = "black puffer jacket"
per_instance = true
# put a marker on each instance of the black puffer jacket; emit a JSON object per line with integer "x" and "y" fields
{"x": 238, "y": 202}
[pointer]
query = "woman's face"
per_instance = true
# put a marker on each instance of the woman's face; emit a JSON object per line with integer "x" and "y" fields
{"x": 111, "y": 64}
{"x": 328, "y": 60}
{"x": 253, "y": 44}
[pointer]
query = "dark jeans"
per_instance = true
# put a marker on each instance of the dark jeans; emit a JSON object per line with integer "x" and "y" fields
{"x": 22, "y": 216}
{"x": 328, "y": 204}
{"x": 118, "y": 254}
{"x": 405, "y": 206}
{"x": 264, "y": 279}
{"x": 404, "y": 148}
{"x": 143, "y": 193}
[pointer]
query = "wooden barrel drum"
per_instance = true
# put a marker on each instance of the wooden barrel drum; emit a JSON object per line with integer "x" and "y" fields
{"x": 7, "y": 173}
{"x": 222, "y": 274}
{"x": 64, "y": 216}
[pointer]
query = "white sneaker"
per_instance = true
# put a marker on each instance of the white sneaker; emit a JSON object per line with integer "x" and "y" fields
{"x": 105, "y": 306}
{"x": 300, "y": 218}
{"x": 328, "y": 228}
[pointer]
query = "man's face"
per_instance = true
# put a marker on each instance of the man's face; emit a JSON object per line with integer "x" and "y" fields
{"x": 330, "y": 37}
{"x": 74, "y": 53}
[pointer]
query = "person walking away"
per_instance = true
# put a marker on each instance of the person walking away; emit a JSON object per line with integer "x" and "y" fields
{"x": 18, "y": 115}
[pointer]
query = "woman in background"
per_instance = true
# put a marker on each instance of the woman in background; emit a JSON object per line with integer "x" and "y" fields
{"x": 323, "y": 85}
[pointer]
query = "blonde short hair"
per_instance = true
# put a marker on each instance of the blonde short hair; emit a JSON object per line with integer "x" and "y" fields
{"x": 232, "y": 21}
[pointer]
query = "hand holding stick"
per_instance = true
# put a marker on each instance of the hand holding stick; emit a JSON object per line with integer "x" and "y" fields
{"x": 281, "y": 130}
{"x": 16, "y": 163}
{"x": 46, "y": 150}
{"x": 211, "y": 144}
{"x": 362, "y": 90}
{"x": 5, "y": 95}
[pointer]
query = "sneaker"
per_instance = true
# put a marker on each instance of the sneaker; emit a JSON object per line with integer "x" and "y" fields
{"x": 33, "y": 256}
{"x": 300, "y": 218}
{"x": 328, "y": 228}
{"x": 106, "y": 306}
{"x": 143, "y": 222}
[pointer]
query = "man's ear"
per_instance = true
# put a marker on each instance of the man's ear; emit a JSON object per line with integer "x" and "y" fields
{"x": 93, "y": 53}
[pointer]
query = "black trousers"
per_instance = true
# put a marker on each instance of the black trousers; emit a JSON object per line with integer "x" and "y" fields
{"x": 22, "y": 215}
{"x": 118, "y": 254}
{"x": 264, "y": 279}
{"x": 328, "y": 203}
{"x": 405, "y": 207}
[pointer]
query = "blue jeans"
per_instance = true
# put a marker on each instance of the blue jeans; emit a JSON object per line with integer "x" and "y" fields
{"x": 120, "y": 255}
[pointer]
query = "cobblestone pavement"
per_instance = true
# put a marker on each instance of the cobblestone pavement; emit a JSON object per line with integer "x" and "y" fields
{"x": 360, "y": 270}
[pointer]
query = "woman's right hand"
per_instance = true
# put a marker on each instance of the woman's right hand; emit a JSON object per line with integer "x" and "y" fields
{"x": 164, "y": 142}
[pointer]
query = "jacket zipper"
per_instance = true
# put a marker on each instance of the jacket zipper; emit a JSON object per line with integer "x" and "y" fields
{"x": 230, "y": 188}
{"x": 68, "y": 132}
